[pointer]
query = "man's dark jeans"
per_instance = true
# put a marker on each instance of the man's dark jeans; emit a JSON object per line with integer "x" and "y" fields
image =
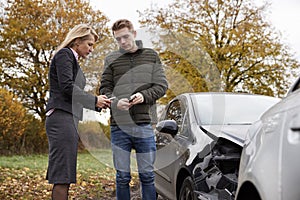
{"x": 141, "y": 138}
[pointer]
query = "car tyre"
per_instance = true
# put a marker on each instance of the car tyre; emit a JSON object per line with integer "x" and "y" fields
{"x": 187, "y": 190}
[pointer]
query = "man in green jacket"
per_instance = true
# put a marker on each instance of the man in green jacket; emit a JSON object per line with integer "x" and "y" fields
{"x": 134, "y": 76}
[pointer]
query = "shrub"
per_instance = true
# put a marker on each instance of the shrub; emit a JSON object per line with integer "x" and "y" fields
{"x": 13, "y": 122}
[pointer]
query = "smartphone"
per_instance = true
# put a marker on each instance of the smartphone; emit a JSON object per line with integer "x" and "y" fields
{"x": 130, "y": 100}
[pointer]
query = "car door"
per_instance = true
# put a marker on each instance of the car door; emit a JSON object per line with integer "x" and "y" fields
{"x": 171, "y": 150}
{"x": 290, "y": 164}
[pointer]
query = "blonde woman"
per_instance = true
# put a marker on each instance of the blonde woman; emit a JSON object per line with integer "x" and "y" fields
{"x": 65, "y": 106}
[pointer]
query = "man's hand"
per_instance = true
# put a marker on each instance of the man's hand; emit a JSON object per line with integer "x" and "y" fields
{"x": 136, "y": 99}
{"x": 123, "y": 104}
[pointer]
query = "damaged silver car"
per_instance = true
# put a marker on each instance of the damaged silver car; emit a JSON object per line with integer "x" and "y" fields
{"x": 199, "y": 143}
{"x": 270, "y": 165}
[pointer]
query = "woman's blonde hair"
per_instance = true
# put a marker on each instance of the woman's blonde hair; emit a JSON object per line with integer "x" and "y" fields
{"x": 81, "y": 31}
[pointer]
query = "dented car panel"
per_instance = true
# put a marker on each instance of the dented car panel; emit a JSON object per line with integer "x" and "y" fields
{"x": 199, "y": 139}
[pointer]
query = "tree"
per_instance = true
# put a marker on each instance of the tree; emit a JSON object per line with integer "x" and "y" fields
{"x": 232, "y": 46}
{"x": 30, "y": 32}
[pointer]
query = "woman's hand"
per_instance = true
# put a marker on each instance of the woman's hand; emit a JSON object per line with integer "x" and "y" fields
{"x": 103, "y": 102}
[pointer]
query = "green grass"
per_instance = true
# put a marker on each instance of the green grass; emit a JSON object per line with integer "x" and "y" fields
{"x": 85, "y": 160}
{"x": 19, "y": 162}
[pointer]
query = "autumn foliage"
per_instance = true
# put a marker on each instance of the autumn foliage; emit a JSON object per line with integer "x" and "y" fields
{"x": 29, "y": 34}
{"x": 13, "y": 121}
{"x": 20, "y": 132}
{"x": 231, "y": 44}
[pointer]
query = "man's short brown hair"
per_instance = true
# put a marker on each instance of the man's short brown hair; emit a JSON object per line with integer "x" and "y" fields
{"x": 122, "y": 23}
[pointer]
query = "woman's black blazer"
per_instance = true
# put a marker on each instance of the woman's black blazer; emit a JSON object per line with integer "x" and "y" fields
{"x": 67, "y": 83}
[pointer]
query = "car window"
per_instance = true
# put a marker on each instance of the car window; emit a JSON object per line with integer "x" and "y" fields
{"x": 177, "y": 111}
{"x": 174, "y": 112}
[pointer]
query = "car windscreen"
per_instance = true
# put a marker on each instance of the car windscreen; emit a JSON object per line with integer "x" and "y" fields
{"x": 230, "y": 109}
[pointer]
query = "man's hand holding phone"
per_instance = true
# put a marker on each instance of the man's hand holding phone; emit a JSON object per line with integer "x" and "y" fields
{"x": 125, "y": 104}
{"x": 131, "y": 99}
{"x": 136, "y": 98}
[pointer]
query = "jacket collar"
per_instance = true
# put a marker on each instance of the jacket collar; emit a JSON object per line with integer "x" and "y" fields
{"x": 75, "y": 54}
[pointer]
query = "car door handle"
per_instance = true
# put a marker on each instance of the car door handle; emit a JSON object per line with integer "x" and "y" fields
{"x": 295, "y": 129}
{"x": 295, "y": 125}
{"x": 293, "y": 136}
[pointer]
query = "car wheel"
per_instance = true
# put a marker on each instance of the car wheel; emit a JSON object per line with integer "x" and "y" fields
{"x": 187, "y": 190}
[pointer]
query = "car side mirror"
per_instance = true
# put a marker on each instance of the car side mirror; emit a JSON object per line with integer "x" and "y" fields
{"x": 167, "y": 126}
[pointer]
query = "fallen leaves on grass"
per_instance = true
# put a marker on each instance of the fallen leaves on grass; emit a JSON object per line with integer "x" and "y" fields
{"x": 30, "y": 184}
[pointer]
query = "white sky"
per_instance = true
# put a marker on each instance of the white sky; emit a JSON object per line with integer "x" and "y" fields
{"x": 284, "y": 14}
